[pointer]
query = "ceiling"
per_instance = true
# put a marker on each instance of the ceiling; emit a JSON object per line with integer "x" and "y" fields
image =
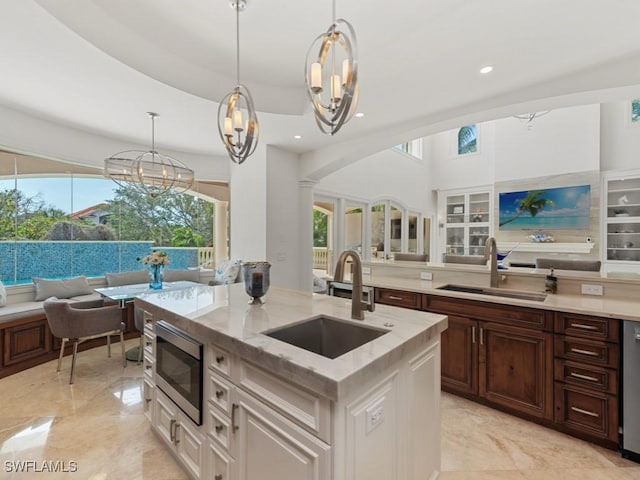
{"x": 99, "y": 65}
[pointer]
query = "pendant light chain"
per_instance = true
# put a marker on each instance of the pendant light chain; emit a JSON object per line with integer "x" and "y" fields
{"x": 237, "y": 42}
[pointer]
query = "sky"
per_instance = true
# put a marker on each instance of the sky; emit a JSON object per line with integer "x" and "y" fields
{"x": 67, "y": 194}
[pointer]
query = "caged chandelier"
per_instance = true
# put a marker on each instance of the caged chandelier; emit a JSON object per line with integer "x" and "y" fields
{"x": 331, "y": 54}
{"x": 150, "y": 172}
{"x": 237, "y": 120}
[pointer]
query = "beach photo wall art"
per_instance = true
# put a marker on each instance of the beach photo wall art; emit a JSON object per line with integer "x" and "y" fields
{"x": 564, "y": 208}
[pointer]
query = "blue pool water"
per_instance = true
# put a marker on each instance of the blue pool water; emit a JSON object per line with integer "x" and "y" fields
{"x": 21, "y": 261}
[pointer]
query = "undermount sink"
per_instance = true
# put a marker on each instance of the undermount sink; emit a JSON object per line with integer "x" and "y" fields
{"x": 496, "y": 292}
{"x": 326, "y": 336}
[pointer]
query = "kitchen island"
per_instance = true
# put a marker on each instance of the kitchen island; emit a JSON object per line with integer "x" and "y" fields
{"x": 274, "y": 410}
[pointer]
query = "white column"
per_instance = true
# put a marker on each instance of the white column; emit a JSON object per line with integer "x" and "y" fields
{"x": 221, "y": 248}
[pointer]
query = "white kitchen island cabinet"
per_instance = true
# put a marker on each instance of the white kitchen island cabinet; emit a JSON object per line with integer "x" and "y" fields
{"x": 272, "y": 411}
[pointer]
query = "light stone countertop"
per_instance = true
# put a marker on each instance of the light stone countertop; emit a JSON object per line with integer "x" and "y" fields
{"x": 221, "y": 315}
{"x": 616, "y": 307}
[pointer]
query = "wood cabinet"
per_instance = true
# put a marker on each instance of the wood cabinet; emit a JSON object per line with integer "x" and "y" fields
{"x": 398, "y": 298}
{"x": 587, "y": 355}
{"x": 497, "y": 360}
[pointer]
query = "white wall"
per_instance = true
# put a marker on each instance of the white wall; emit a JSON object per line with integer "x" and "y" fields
{"x": 620, "y": 140}
{"x": 283, "y": 239}
{"x": 565, "y": 140}
{"x": 387, "y": 174}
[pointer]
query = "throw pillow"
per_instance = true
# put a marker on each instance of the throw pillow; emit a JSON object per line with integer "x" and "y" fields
{"x": 3, "y": 295}
{"x": 227, "y": 271}
{"x": 70, "y": 287}
{"x": 127, "y": 278}
{"x": 181, "y": 275}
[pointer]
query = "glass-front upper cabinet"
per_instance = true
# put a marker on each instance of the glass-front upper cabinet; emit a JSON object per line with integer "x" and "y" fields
{"x": 467, "y": 221}
{"x": 622, "y": 227}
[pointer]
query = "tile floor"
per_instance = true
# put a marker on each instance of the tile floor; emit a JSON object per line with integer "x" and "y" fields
{"x": 98, "y": 423}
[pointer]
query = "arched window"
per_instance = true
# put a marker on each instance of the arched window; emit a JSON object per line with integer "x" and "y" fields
{"x": 635, "y": 111}
{"x": 468, "y": 139}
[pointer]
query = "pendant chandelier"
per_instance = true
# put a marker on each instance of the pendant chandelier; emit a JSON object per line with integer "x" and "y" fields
{"x": 150, "y": 172}
{"x": 237, "y": 120}
{"x": 528, "y": 118}
{"x": 333, "y": 53}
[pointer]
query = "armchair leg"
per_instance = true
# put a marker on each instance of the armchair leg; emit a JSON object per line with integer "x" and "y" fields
{"x": 73, "y": 359}
{"x": 124, "y": 356}
{"x": 64, "y": 340}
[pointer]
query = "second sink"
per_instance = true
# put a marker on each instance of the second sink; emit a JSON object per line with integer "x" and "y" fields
{"x": 326, "y": 336}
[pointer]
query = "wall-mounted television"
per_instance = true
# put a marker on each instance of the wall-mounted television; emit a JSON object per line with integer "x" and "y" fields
{"x": 564, "y": 208}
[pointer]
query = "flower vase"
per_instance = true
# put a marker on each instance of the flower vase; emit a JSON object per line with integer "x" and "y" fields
{"x": 155, "y": 274}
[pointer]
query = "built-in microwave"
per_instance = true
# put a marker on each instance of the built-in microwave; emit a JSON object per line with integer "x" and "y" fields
{"x": 179, "y": 369}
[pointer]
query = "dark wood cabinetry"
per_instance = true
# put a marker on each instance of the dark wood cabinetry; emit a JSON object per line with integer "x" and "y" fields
{"x": 560, "y": 369}
{"x": 587, "y": 355}
{"x": 398, "y": 298}
{"x": 28, "y": 342}
{"x": 497, "y": 353}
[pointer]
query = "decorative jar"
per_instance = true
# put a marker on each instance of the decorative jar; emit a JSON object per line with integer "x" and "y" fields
{"x": 256, "y": 280}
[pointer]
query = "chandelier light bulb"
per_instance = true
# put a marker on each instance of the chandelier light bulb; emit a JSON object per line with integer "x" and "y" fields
{"x": 331, "y": 54}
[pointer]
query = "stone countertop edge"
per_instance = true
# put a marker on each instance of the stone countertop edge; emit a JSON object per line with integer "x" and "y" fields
{"x": 221, "y": 315}
{"x": 581, "y": 304}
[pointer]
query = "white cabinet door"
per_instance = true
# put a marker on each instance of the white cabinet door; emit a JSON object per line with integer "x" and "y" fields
{"x": 189, "y": 445}
{"x": 270, "y": 447}
{"x": 423, "y": 387}
{"x": 165, "y": 417}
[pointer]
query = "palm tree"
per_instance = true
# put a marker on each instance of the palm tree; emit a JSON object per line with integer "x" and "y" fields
{"x": 532, "y": 203}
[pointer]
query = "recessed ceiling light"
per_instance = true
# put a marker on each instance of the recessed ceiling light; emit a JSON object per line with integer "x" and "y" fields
{"x": 486, "y": 69}
{"x": 297, "y": 137}
{"x": 359, "y": 114}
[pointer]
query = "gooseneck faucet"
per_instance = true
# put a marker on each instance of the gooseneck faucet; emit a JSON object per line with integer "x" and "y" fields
{"x": 357, "y": 305}
{"x": 491, "y": 251}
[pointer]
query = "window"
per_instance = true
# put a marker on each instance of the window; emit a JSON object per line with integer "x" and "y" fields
{"x": 635, "y": 110}
{"x": 413, "y": 147}
{"x": 468, "y": 139}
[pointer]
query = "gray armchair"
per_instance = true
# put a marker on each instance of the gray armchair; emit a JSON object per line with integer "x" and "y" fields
{"x": 80, "y": 321}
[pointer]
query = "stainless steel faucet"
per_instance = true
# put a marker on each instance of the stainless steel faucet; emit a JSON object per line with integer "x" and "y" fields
{"x": 491, "y": 251}
{"x": 357, "y": 305}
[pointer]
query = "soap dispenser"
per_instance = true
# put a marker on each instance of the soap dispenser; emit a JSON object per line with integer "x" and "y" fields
{"x": 551, "y": 283}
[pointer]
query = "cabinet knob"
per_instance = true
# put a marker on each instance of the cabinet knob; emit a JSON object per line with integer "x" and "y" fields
{"x": 220, "y": 359}
{"x": 219, "y": 428}
{"x": 219, "y": 394}
{"x": 218, "y": 477}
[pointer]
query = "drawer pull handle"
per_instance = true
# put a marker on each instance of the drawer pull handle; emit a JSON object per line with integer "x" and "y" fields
{"x": 218, "y": 477}
{"x": 583, "y": 377}
{"x": 147, "y": 400}
{"x": 584, "y": 352}
{"x": 395, "y": 297}
{"x": 234, "y": 427}
{"x": 473, "y": 334}
{"x": 172, "y": 431}
{"x": 583, "y": 326}
{"x": 219, "y": 359}
{"x": 481, "y": 335}
{"x": 219, "y": 394}
{"x": 148, "y": 367}
{"x": 219, "y": 428}
{"x": 177, "y": 439}
{"x": 585, "y": 412}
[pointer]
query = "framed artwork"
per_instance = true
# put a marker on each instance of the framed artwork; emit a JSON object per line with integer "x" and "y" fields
{"x": 564, "y": 208}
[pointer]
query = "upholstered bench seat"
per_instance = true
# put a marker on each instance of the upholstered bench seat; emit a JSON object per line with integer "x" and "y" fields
{"x": 16, "y": 311}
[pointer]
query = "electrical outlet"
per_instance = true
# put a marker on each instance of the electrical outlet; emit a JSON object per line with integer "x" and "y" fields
{"x": 366, "y": 270}
{"x": 374, "y": 415}
{"x": 592, "y": 289}
{"x": 426, "y": 276}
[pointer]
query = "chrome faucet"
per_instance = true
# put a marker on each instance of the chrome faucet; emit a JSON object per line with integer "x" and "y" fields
{"x": 491, "y": 251}
{"x": 357, "y": 305}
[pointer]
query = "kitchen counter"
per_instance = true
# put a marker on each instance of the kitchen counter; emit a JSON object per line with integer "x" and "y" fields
{"x": 221, "y": 315}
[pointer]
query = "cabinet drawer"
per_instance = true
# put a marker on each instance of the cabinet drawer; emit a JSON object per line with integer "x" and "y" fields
{"x": 595, "y": 328}
{"x": 587, "y": 376}
{"x": 219, "y": 464}
{"x": 494, "y": 312}
{"x": 219, "y": 429}
{"x": 592, "y": 413}
{"x": 148, "y": 343}
{"x": 219, "y": 360}
{"x": 148, "y": 362}
{"x": 587, "y": 351}
{"x": 219, "y": 392}
{"x": 398, "y": 298}
{"x": 307, "y": 409}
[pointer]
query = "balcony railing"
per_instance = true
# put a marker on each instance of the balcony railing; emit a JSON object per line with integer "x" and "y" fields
{"x": 206, "y": 258}
{"x": 322, "y": 258}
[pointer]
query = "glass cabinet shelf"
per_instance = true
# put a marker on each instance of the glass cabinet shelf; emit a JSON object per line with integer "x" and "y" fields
{"x": 622, "y": 222}
{"x": 467, "y": 222}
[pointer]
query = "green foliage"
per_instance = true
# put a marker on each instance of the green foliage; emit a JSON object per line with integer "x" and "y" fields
{"x": 185, "y": 237}
{"x": 533, "y": 203}
{"x": 467, "y": 139}
{"x": 25, "y": 218}
{"x": 319, "y": 229}
{"x": 136, "y": 216}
